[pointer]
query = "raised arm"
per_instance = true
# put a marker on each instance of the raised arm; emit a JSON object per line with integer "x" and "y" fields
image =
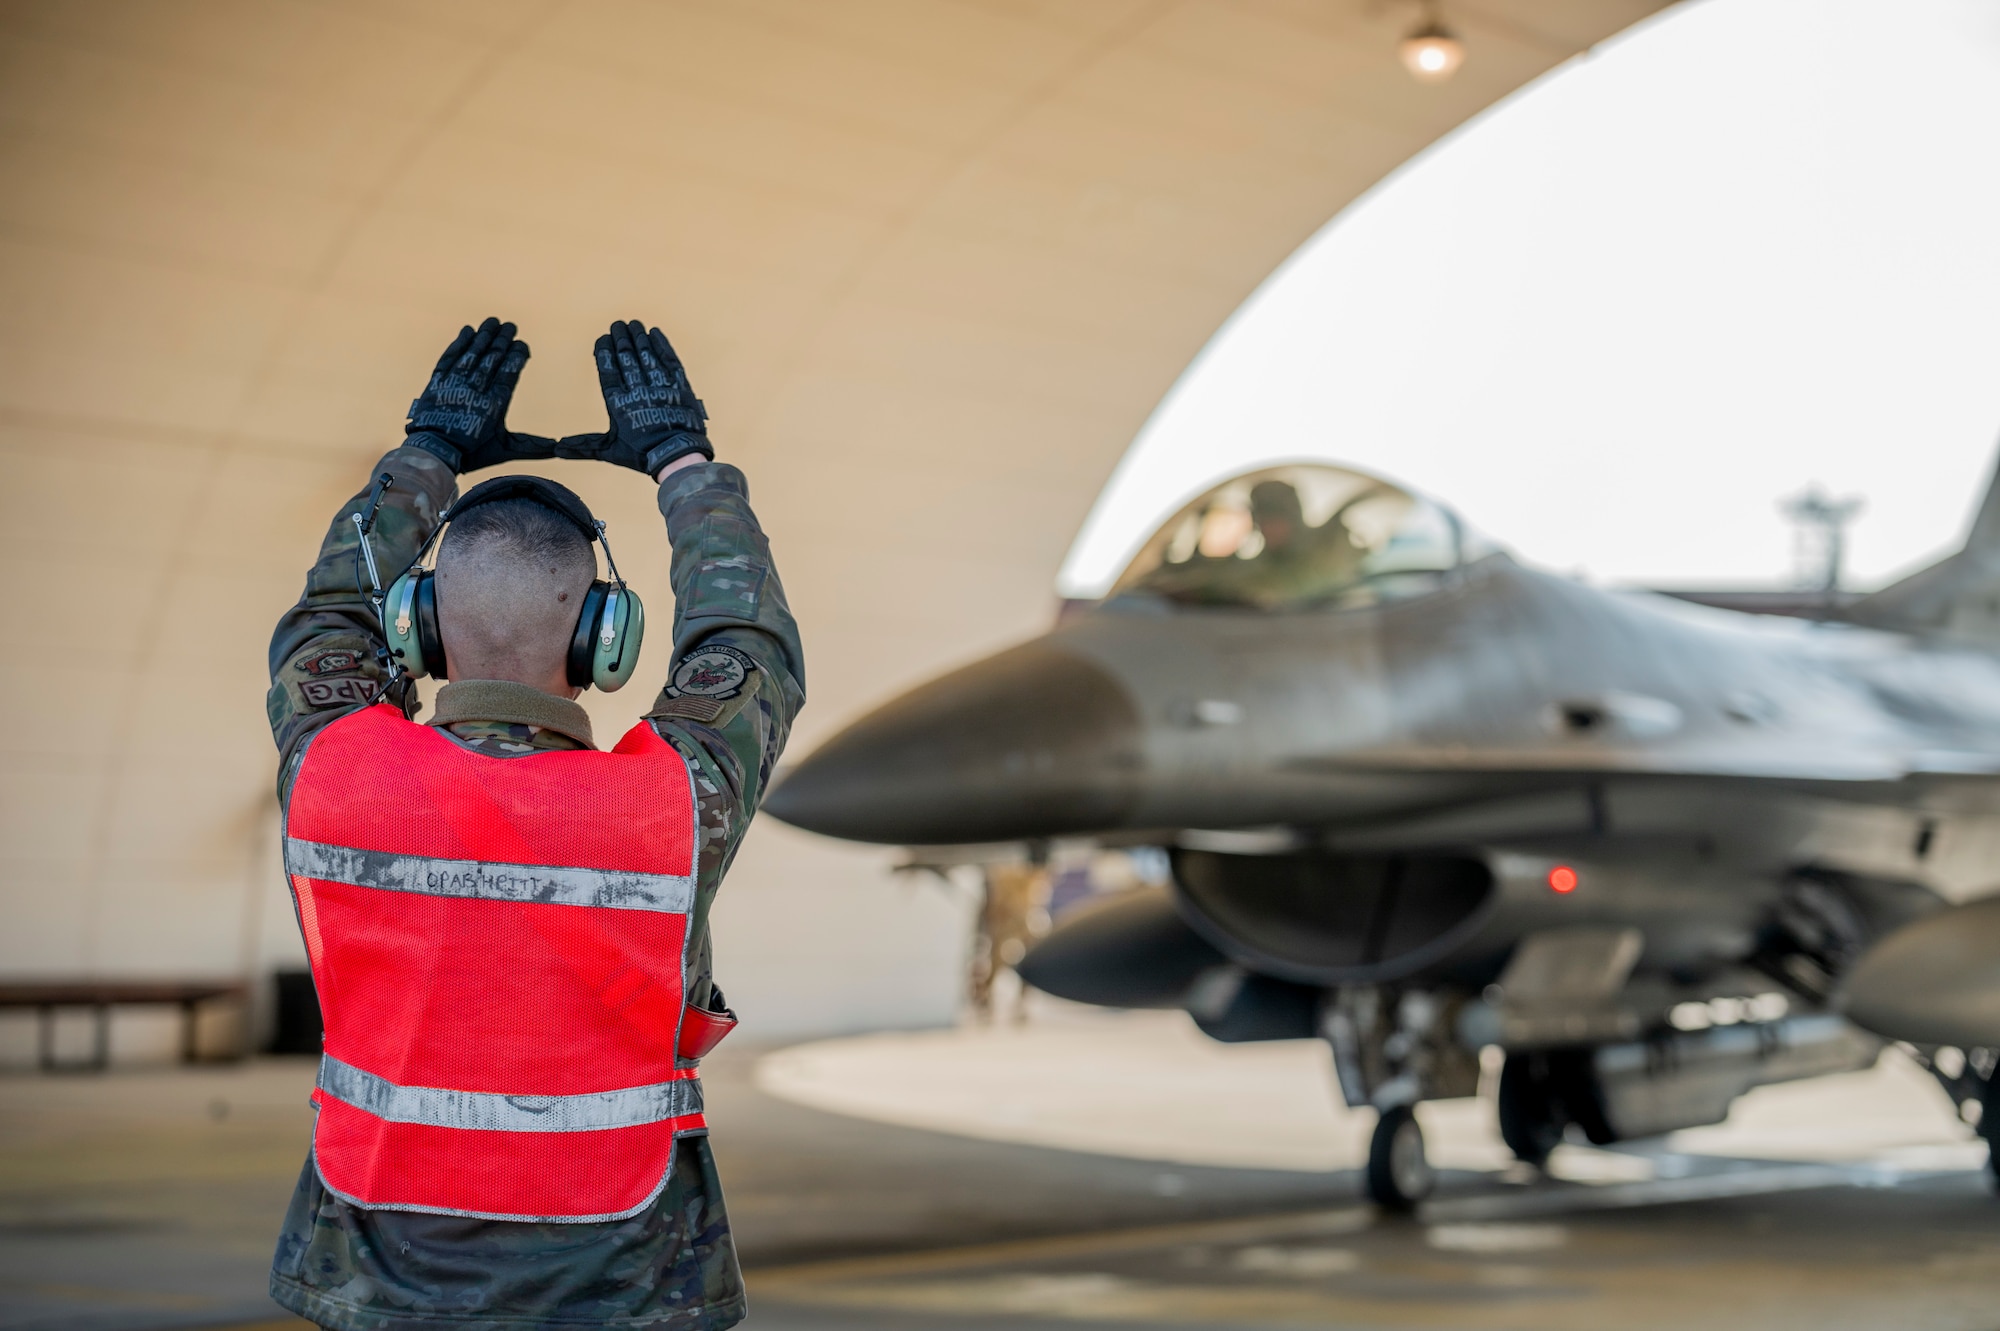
{"x": 738, "y": 674}
{"x": 737, "y": 677}
{"x": 326, "y": 652}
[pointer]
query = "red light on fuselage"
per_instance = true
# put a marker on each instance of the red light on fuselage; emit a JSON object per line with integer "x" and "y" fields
{"x": 1562, "y": 878}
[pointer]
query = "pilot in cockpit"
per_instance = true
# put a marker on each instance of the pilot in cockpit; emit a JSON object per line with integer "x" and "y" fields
{"x": 1293, "y": 552}
{"x": 1277, "y": 515}
{"x": 1249, "y": 542}
{"x": 1272, "y": 554}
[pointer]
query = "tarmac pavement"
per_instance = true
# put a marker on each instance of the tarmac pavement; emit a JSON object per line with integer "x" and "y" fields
{"x": 147, "y": 1200}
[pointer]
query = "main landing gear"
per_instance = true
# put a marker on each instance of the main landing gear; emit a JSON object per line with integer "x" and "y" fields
{"x": 1971, "y": 1077}
{"x": 1989, "y": 1128}
{"x": 1541, "y": 1094}
{"x": 1399, "y": 1174}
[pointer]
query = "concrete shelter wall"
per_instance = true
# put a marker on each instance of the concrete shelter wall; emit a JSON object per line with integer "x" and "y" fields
{"x": 930, "y": 264}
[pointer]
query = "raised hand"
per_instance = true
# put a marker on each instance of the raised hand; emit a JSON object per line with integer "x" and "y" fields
{"x": 655, "y": 416}
{"x": 461, "y": 416}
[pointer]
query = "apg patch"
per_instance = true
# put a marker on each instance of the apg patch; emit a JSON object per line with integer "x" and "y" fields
{"x": 347, "y": 691}
{"x": 331, "y": 661}
{"x": 710, "y": 671}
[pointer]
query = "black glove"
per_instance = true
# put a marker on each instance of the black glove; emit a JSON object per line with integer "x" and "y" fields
{"x": 461, "y": 418}
{"x": 655, "y": 416}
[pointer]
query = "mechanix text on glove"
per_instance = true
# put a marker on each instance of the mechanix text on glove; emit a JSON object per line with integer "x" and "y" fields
{"x": 461, "y": 416}
{"x": 655, "y": 417}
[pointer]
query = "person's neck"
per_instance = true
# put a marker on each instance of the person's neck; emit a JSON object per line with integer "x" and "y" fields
{"x": 509, "y": 700}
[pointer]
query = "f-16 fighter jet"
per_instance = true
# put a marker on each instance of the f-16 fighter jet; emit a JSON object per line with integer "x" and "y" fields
{"x": 1421, "y": 800}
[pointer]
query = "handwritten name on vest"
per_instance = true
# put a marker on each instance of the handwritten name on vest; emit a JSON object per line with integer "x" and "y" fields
{"x": 432, "y": 876}
{"x": 481, "y": 881}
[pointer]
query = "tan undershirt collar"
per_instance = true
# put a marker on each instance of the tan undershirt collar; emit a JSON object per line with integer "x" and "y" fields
{"x": 504, "y": 700}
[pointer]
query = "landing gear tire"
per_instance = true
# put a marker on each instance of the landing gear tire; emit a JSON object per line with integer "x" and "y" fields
{"x": 1531, "y": 1116}
{"x": 1989, "y": 1126}
{"x": 1399, "y": 1174}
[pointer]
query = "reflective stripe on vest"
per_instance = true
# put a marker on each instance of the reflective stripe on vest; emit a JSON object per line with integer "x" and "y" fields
{"x": 483, "y": 1111}
{"x": 547, "y": 884}
{"x": 498, "y": 945}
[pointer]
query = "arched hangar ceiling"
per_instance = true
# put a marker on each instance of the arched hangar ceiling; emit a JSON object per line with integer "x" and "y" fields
{"x": 931, "y": 264}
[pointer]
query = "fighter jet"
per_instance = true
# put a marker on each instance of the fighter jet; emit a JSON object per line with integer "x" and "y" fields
{"x": 1429, "y": 804}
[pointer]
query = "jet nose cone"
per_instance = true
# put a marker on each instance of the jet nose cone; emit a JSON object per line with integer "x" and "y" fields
{"x": 1033, "y": 742}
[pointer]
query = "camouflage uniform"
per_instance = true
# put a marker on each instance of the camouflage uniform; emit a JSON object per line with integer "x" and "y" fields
{"x": 673, "y": 1265}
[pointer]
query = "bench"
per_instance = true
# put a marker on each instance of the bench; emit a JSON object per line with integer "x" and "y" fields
{"x": 47, "y": 996}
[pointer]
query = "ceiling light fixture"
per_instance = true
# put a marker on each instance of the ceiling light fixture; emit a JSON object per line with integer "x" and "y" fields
{"x": 1432, "y": 52}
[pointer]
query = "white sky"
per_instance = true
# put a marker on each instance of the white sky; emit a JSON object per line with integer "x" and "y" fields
{"x": 1752, "y": 245}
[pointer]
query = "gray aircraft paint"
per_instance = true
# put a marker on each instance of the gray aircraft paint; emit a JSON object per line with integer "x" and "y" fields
{"x": 1695, "y": 763}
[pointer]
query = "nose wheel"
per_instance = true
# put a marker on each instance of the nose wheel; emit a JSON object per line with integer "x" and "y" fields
{"x": 1399, "y": 1174}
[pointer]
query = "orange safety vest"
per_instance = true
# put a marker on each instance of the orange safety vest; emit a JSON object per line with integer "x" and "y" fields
{"x": 499, "y": 946}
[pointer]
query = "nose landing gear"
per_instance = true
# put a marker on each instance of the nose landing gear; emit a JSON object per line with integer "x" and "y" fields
{"x": 1392, "y": 1050}
{"x": 1399, "y": 1173}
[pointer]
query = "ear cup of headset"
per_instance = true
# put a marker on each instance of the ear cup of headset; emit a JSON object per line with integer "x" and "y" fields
{"x": 412, "y": 629}
{"x": 583, "y": 638}
{"x": 615, "y": 658}
{"x": 399, "y": 623}
{"x": 604, "y": 649}
{"x": 428, "y": 636}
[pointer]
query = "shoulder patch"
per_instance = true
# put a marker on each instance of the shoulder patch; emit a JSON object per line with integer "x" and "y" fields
{"x": 710, "y": 671}
{"x": 331, "y": 661}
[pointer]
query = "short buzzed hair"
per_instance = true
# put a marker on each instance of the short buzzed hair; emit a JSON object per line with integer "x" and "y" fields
{"x": 531, "y": 531}
{"x": 512, "y": 575}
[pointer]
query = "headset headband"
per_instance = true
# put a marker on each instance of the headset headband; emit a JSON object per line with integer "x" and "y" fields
{"x": 549, "y": 494}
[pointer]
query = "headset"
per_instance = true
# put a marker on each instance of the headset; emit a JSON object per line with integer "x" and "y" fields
{"x": 610, "y": 626}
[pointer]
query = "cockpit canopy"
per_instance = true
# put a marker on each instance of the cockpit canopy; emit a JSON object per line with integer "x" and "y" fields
{"x": 1301, "y": 536}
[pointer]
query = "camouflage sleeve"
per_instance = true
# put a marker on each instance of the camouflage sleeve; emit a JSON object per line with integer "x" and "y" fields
{"x": 323, "y": 652}
{"x": 738, "y": 674}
